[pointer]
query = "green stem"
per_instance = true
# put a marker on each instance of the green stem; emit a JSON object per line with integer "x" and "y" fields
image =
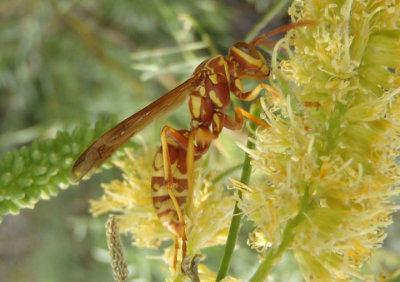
{"x": 287, "y": 238}
{"x": 279, "y": 5}
{"x": 92, "y": 43}
{"x": 226, "y": 173}
{"x": 237, "y": 213}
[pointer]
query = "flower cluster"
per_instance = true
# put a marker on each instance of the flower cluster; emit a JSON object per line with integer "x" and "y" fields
{"x": 329, "y": 158}
{"x": 206, "y": 220}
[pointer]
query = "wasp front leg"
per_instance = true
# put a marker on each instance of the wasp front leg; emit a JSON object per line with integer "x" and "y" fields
{"x": 240, "y": 114}
{"x": 237, "y": 90}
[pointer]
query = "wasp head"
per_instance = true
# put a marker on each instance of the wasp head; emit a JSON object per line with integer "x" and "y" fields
{"x": 248, "y": 61}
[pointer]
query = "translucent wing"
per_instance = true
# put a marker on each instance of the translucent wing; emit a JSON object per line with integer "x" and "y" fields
{"x": 109, "y": 142}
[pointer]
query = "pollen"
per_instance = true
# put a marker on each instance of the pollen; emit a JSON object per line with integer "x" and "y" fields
{"x": 328, "y": 172}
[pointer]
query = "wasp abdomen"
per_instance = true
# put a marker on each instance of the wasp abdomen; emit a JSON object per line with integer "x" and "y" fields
{"x": 162, "y": 202}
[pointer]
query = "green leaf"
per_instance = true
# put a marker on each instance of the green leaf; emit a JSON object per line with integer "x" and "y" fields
{"x": 38, "y": 171}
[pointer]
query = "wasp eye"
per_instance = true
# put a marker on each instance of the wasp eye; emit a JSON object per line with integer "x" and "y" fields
{"x": 247, "y": 49}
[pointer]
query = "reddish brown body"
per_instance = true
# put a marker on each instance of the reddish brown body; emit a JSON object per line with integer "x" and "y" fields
{"x": 162, "y": 202}
{"x": 209, "y": 91}
{"x": 163, "y": 205}
{"x": 208, "y": 104}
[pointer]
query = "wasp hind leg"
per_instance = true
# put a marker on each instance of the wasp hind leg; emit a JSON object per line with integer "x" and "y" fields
{"x": 176, "y": 245}
{"x": 168, "y": 179}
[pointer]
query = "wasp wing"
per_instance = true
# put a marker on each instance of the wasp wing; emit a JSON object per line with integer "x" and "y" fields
{"x": 112, "y": 140}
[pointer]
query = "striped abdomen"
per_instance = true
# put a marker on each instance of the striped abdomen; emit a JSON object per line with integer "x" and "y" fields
{"x": 162, "y": 202}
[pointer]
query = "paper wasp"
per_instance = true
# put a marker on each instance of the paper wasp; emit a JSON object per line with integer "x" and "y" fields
{"x": 209, "y": 90}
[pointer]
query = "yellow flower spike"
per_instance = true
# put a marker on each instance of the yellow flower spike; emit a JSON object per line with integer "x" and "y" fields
{"x": 209, "y": 217}
{"x": 132, "y": 200}
{"x": 329, "y": 160}
{"x": 206, "y": 221}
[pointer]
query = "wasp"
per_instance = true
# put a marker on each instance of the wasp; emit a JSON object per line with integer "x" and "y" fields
{"x": 209, "y": 92}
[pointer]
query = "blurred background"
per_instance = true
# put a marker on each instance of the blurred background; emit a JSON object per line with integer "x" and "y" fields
{"x": 65, "y": 62}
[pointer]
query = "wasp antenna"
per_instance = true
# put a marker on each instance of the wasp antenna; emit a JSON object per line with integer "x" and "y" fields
{"x": 281, "y": 30}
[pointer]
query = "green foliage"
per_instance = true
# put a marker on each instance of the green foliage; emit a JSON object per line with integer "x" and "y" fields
{"x": 72, "y": 61}
{"x": 67, "y": 63}
{"x": 40, "y": 170}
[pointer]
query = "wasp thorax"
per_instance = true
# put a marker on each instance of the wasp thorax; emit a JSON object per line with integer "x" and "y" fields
{"x": 249, "y": 62}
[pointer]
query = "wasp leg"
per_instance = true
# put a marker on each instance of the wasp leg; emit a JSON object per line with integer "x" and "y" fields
{"x": 190, "y": 167}
{"x": 176, "y": 245}
{"x": 203, "y": 138}
{"x": 240, "y": 114}
{"x": 254, "y": 93}
{"x": 168, "y": 179}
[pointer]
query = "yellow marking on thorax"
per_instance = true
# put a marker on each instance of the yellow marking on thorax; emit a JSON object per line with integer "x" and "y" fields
{"x": 224, "y": 63}
{"x": 215, "y": 99}
{"x": 217, "y": 121}
{"x": 213, "y": 78}
{"x": 196, "y": 106}
{"x": 202, "y": 91}
{"x": 221, "y": 61}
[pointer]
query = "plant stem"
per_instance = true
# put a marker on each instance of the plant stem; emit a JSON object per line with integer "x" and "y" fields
{"x": 287, "y": 238}
{"x": 226, "y": 173}
{"x": 279, "y": 5}
{"x": 237, "y": 213}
